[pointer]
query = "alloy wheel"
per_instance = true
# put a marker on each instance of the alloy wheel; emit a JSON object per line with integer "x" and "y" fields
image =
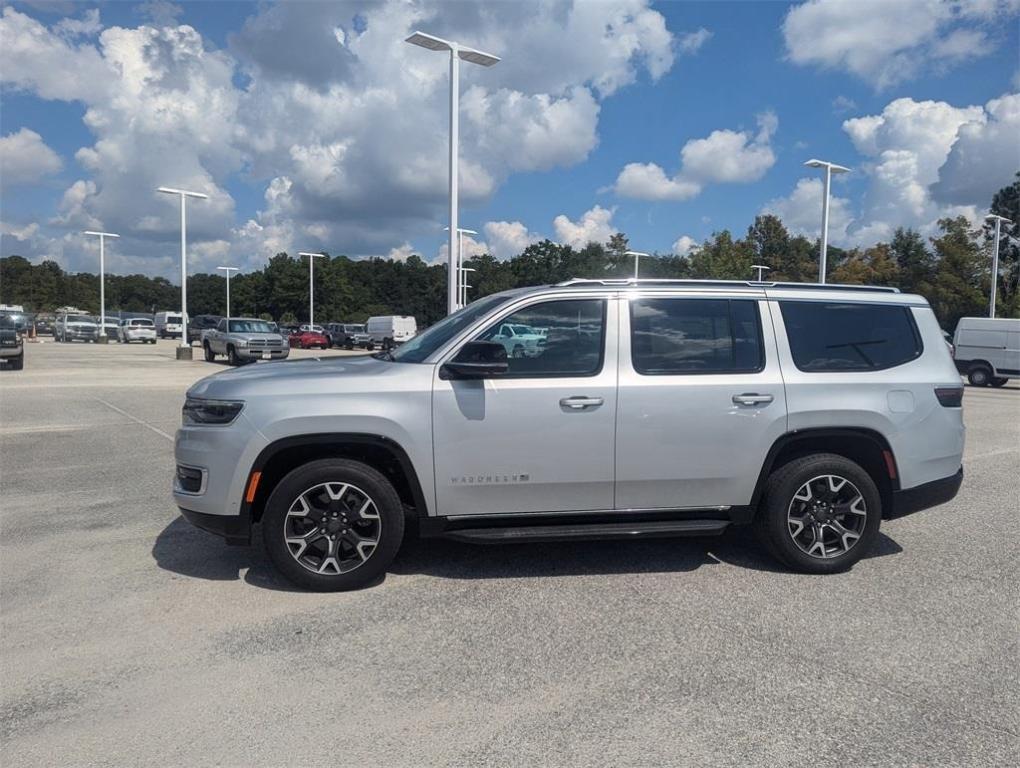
{"x": 332, "y": 528}
{"x": 827, "y": 516}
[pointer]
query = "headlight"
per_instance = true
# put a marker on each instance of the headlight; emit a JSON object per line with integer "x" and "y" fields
{"x": 242, "y": 342}
{"x": 209, "y": 412}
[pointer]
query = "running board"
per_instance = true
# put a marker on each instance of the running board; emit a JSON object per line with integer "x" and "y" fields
{"x": 570, "y": 532}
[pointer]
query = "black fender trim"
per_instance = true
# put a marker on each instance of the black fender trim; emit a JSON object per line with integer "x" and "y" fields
{"x": 910, "y": 500}
{"x": 335, "y": 438}
{"x": 791, "y": 438}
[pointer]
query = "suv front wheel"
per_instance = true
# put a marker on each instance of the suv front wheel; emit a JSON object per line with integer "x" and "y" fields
{"x": 333, "y": 525}
{"x": 820, "y": 514}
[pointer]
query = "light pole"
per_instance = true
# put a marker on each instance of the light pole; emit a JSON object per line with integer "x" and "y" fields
{"x": 830, "y": 168}
{"x": 461, "y": 277}
{"x": 999, "y": 221}
{"x": 227, "y": 271}
{"x": 184, "y": 350}
{"x": 102, "y": 282}
{"x": 637, "y": 255}
{"x": 311, "y": 284}
{"x": 762, "y": 269}
{"x": 457, "y": 52}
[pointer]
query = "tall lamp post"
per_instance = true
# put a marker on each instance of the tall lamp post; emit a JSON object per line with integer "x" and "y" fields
{"x": 637, "y": 255}
{"x": 461, "y": 269}
{"x": 102, "y": 282}
{"x": 311, "y": 283}
{"x": 227, "y": 271}
{"x": 830, "y": 168}
{"x": 457, "y": 52}
{"x": 184, "y": 350}
{"x": 999, "y": 221}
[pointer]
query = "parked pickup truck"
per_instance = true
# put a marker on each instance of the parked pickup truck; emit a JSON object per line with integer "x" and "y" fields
{"x": 244, "y": 340}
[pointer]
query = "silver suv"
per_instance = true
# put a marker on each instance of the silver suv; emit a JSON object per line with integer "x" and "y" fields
{"x": 654, "y": 408}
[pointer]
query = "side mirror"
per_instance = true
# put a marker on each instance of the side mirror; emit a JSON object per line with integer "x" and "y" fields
{"x": 477, "y": 360}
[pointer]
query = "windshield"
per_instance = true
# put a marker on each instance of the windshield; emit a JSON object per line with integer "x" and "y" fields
{"x": 79, "y": 319}
{"x": 354, "y": 329}
{"x": 142, "y": 323}
{"x": 424, "y": 344}
{"x": 7, "y": 321}
{"x": 250, "y": 326}
{"x": 173, "y": 319}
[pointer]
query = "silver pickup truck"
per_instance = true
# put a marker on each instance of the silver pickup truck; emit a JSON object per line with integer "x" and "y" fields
{"x": 244, "y": 340}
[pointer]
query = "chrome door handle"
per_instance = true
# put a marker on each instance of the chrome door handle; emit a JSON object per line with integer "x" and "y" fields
{"x": 580, "y": 403}
{"x": 752, "y": 398}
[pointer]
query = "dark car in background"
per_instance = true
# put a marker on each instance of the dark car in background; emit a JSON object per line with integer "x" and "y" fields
{"x": 44, "y": 322}
{"x": 12, "y": 348}
{"x": 199, "y": 324}
{"x": 347, "y": 335}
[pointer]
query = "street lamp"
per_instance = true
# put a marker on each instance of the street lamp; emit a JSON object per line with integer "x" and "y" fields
{"x": 184, "y": 350}
{"x": 311, "y": 284}
{"x": 102, "y": 282}
{"x": 457, "y": 52}
{"x": 830, "y": 168}
{"x": 761, "y": 270}
{"x": 637, "y": 255}
{"x": 999, "y": 221}
{"x": 228, "y": 270}
{"x": 461, "y": 277}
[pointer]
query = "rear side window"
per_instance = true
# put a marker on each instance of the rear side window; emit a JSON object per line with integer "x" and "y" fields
{"x": 690, "y": 336}
{"x": 849, "y": 337}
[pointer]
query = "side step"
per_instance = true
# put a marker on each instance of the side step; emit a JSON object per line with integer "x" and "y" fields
{"x": 565, "y": 532}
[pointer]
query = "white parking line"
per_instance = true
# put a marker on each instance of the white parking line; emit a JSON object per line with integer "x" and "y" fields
{"x": 135, "y": 419}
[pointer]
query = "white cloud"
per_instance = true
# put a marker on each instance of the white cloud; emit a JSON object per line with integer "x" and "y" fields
{"x": 86, "y": 26}
{"x": 685, "y": 245}
{"x": 508, "y": 238}
{"x": 888, "y": 41}
{"x": 25, "y": 158}
{"x": 690, "y": 43}
{"x": 843, "y": 104}
{"x": 723, "y": 157}
{"x": 594, "y": 226}
{"x": 801, "y": 211}
{"x": 402, "y": 252}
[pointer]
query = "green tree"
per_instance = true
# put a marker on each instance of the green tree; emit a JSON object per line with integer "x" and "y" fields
{"x": 723, "y": 258}
{"x": 960, "y": 283}
{"x": 1006, "y": 203}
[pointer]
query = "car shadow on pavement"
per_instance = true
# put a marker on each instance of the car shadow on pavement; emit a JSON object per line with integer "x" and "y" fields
{"x": 185, "y": 550}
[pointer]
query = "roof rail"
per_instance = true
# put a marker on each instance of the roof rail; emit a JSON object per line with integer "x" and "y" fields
{"x": 580, "y": 282}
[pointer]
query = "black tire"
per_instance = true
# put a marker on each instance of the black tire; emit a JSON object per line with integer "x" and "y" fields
{"x": 999, "y": 382}
{"x": 370, "y": 346}
{"x": 364, "y": 479}
{"x": 979, "y": 376}
{"x": 774, "y": 528}
{"x": 232, "y": 358}
{"x": 209, "y": 356}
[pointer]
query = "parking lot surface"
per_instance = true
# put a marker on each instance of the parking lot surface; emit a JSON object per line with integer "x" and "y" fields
{"x": 130, "y": 638}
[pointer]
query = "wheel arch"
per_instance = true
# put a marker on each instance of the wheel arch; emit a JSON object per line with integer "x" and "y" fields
{"x": 380, "y": 452}
{"x": 866, "y": 447}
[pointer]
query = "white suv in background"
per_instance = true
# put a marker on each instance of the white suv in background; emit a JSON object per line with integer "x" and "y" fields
{"x": 654, "y": 408}
{"x": 137, "y": 329}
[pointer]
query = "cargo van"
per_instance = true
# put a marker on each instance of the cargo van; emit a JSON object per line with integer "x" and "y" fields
{"x": 168, "y": 324}
{"x": 390, "y": 330}
{"x": 987, "y": 350}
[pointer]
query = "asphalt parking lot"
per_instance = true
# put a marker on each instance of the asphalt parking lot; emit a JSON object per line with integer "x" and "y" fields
{"x": 130, "y": 638}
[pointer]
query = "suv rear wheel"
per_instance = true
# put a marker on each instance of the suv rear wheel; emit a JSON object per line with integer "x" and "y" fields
{"x": 820, "y": 514}
{"x": 979, "y": 375}
{"x": 209, "y": 356}
{"x": 333, "y": 525}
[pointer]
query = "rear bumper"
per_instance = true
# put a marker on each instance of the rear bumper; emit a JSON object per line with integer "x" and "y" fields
{"x": 925, "y": 496}
{"x": 235, "y": 529}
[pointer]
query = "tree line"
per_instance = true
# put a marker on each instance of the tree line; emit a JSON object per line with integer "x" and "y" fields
{"x": 952, "y": 270}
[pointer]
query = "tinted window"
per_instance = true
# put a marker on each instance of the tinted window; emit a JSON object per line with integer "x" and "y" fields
{"x": 424, "y": 344}
{"x": 555, "y": 338}
{"x": 849, "y": 337}
{"x": 250, "y": 326}
{"x": 678, "y": 336}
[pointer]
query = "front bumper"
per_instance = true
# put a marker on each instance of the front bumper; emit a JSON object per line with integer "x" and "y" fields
{"x": 6, "y": 351}
{"x": 248, "y": 353}
{"x": 235, "y": 529}
{"x": 925, "y": 496}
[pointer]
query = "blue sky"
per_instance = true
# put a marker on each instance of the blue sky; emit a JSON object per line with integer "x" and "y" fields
{"x": 313, "y": 127}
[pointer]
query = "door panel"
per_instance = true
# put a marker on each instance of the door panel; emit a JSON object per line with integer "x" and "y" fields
{"x": 694, "y": 428}
{"x": 539, "y": 439}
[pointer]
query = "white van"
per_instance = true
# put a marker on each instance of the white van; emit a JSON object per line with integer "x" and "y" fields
{"x": 987, "y": 350}
{"x": 168, "y": 324}
{"x": 390, "y": 330}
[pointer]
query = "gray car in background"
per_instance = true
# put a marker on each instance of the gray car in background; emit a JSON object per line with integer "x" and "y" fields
{"x": 244, "y": 340}
{"x": 654, "y": 408}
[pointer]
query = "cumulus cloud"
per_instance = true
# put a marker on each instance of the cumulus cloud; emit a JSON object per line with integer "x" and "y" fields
{"x": 801, "y": 211}
{"x": 594, "y": 226}
{"x": 690, "y": 43}
{"x": 508, "y": 238}
{"x": 685, "y": 245}
{"x": 25, "y": 158}
{"x": 723, "y": 157}
{"x": 356, "y": 124}
{"x": 887, "y": 42}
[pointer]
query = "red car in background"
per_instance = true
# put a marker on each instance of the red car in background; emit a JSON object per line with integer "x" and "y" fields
{"x": 308, "y": 339}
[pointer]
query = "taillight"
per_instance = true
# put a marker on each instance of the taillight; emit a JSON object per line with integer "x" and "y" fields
{"x": 950, "y": 397}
